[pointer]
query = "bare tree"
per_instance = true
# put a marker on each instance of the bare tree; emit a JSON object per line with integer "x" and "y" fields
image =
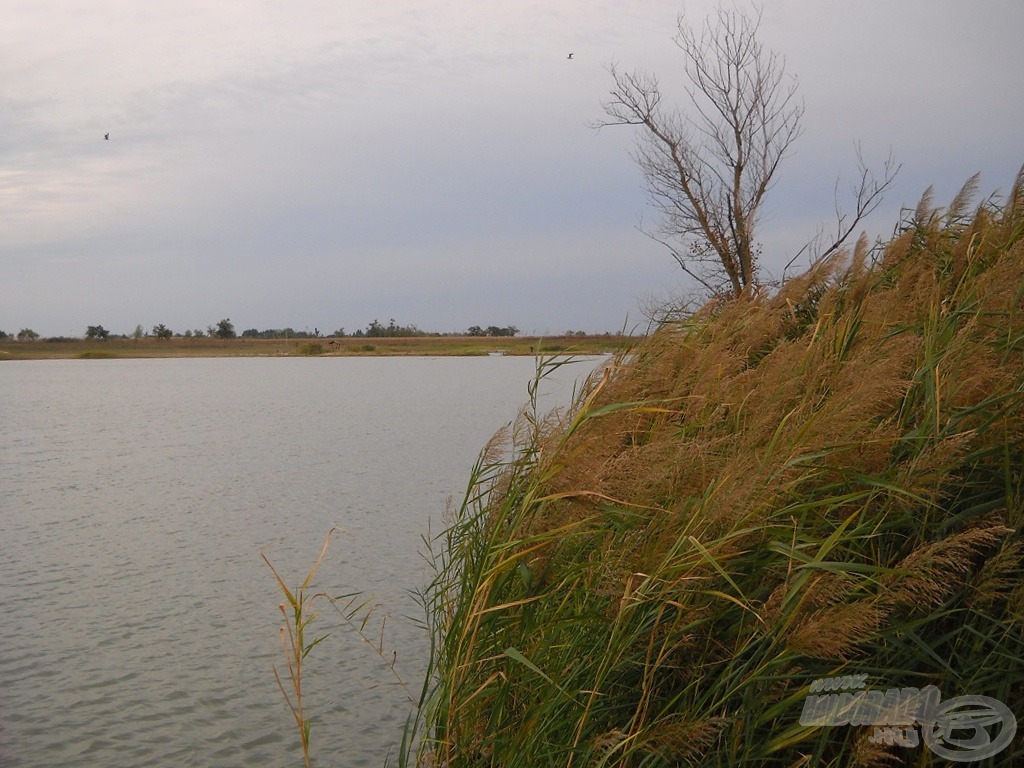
{"x": 708, "y": 169}
{"x": 867, "y": 192}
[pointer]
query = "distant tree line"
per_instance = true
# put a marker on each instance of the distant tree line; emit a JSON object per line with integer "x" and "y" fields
{"x": 25, "y": 334}
{"x": 279, "y": 333}
{"x": 225, "y": 329}
{"x": 492, "y": 330}
{"x": 377, "y": 330}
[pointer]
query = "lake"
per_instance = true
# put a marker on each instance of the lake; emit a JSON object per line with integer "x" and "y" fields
{"x": 140, "y": 625}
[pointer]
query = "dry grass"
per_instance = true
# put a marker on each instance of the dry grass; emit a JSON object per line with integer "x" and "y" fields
{"x": 824, "y": 480}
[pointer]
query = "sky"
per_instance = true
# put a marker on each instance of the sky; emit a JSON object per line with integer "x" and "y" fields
{"x": 324, "y": 163}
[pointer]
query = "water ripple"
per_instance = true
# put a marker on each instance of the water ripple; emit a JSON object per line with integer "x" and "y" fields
{"x": 140, "y": 624}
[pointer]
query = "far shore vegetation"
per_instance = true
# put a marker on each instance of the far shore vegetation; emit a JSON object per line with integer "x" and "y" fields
{"x": 375, "y": 340}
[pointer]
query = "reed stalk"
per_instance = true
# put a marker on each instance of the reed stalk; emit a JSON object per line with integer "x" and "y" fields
{"x": 297, "y": 612}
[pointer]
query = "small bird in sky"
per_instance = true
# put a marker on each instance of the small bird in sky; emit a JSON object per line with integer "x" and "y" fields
{"x": 569, "y": 56}
{"x": 106, "y": 137}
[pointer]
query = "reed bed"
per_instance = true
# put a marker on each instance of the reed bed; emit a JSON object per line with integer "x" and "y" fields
{"x": 822, "y": 480}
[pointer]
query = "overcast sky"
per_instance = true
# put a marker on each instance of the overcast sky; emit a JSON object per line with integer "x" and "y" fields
{"x": 324, "y": 163}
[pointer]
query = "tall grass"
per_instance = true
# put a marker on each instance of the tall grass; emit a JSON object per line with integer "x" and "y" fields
{"x": 822, "y": 481}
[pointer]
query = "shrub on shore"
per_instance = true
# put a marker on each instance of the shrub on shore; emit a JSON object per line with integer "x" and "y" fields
{"x": 823, "y": 481}
{"x": 312, "y": 349}
{"x": 97, "y": 354}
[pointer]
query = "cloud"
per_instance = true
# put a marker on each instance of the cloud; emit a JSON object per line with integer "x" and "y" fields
{"x": 402, "y": 159}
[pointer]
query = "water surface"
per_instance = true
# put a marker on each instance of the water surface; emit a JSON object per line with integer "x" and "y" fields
{"x": 139, "y": 623}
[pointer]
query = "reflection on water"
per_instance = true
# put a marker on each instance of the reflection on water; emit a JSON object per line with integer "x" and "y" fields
{"x": 139, "y": 623}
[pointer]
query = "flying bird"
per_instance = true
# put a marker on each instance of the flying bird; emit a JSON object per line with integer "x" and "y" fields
{"x": 569, "y": 56}
{"x": 106, "y": 137}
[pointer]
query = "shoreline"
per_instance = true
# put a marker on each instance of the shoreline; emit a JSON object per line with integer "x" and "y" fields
{"x": 348, "y": 346}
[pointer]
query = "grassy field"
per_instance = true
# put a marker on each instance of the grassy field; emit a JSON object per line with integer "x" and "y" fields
{"x": 348, "y": 346}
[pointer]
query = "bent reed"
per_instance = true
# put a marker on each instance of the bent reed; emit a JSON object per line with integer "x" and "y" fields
{"x": 820, "y": 481}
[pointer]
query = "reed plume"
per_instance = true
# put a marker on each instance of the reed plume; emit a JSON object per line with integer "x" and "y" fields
{"x": 825, "y": 480}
